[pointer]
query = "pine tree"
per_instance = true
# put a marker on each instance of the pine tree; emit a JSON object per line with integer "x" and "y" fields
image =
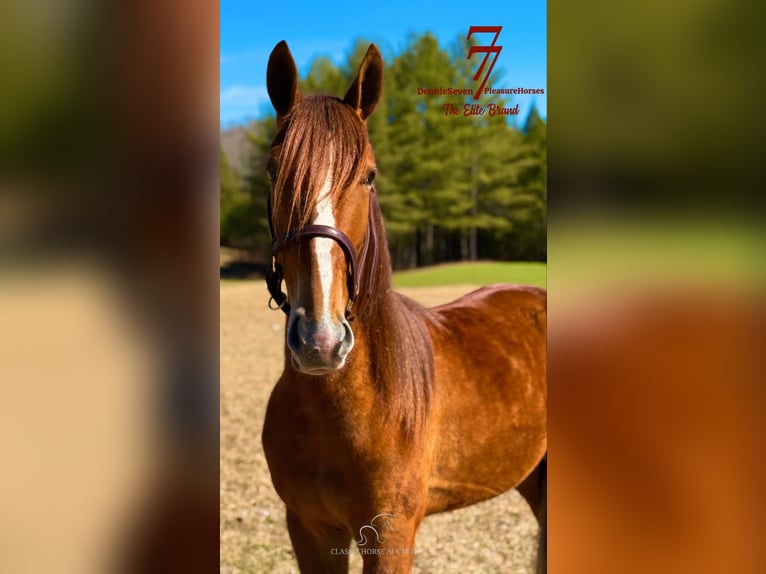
{"x": 243, "y": 201}
{"x": 231, "y": 198}
{"x": 533, "y": 120}
{"x": 324, "y": 77}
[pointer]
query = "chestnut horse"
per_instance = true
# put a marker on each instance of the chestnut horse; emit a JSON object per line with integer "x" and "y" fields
{"x": 410, "y": 412}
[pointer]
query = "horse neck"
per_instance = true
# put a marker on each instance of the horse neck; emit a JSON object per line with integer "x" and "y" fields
{"x": 396, "y": 337}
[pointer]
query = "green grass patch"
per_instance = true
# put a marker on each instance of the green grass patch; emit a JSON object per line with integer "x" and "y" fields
{"x": 482, "y": 273}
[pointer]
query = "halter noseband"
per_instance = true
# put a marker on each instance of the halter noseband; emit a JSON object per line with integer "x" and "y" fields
{"x": 275, "y": 274}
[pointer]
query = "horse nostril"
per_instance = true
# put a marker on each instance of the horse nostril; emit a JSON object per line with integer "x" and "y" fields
{"x": 293, "y": 337}
{"x": 347, "y": 343}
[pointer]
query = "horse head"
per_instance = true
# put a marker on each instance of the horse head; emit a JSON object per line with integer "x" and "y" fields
{"x": 321, "y": 168}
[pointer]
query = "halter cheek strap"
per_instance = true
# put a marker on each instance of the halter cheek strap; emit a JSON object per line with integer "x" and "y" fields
{"x": 275, "y": 275}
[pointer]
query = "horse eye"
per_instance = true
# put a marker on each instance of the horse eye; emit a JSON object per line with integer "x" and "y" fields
{"x": 370, "y": 177}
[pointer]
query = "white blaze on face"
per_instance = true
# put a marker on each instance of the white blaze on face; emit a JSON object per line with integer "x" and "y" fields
{"x": 322, "y": 246}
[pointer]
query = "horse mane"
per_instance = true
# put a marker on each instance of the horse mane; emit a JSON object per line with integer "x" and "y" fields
{"x": 320, "y": 133}
{"x": 400, "y": 345}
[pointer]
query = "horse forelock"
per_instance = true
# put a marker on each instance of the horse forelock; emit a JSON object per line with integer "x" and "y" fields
{"x": 320, "y": 135}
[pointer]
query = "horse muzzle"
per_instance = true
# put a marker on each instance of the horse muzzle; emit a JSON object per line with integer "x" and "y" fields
{"x": 318, "y": 347}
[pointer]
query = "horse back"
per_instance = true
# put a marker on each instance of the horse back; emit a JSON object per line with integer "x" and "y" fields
{"x": 489, "y": 391}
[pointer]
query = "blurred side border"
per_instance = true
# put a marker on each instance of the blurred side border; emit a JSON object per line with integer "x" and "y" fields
{"x": 109, "y": 133}
{"x": 656, "y": 287}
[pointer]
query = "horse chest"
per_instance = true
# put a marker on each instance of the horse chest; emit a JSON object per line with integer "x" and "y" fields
{"x": 313, "y": 455}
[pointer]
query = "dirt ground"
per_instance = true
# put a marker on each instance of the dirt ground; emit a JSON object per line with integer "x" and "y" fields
{"x": 498, "y": 535}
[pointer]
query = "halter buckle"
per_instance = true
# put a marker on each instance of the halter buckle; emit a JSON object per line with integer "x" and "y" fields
{"x": 349, "y": 306}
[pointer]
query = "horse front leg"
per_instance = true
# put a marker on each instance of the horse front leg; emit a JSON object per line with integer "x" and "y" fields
{"x": 319, "y": 549}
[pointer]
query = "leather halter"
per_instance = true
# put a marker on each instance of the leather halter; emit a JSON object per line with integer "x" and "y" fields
{"x": 275, "y": 274}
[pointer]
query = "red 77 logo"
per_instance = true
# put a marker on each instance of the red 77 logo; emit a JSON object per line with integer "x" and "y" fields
{"x": 486, "y": 50}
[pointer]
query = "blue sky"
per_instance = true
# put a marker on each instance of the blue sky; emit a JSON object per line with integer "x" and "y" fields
{"x": 251, "y": 29}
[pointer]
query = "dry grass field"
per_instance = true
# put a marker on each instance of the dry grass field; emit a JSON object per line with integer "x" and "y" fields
{"x": 498, "y": 535}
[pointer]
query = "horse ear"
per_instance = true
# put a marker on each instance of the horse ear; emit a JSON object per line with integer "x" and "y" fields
{"x": 366, "y": 89}
{"x": 282, "y": 80}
